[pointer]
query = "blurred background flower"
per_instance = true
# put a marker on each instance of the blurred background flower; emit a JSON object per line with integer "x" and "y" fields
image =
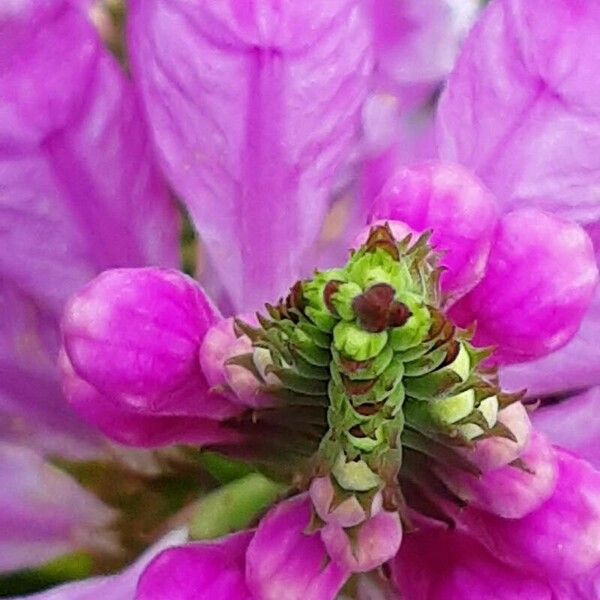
{"x": 79, "y": 193}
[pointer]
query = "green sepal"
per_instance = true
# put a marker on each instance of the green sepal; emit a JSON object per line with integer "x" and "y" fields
{"x": 321, "y": 339}
{"x": 355, "y": 475}
{"x": 452, "y": 409}
{"x": 297, "y": 383}
{"x": 310, "y": 351}
{"x": 432, "y": 386}
{"x": 367, "y": 443}
{"x": 370, "y": 268}
{"x": 419, "y": 417}
{"x": 363, "y": 370}
{"x": 323, "y": 320}
{"x": 462, "y": 364}
{"x": 307, "y": 369}
{"x": 357, "y": 344}
{"x": 314, "y": 296}
{"x": 382, "y": 387}
{"x": 426, "y": 363}
{"x": 342, "y": 300}
{"x": 412, "y": 354}
{"x": 415, "y": 330}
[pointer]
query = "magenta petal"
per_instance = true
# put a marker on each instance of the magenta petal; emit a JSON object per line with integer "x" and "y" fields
{"x": 137, "y": 427}
{"x": 459, "y": 210}
{"x": 285, "y": 562}
{"x": 586, "y": 587}
{"x": 574, "y": 424}
{"x": 520, "y": 109}
{"x": 135, "y": 334}
{"x": 416, "y": 41}
{"x": 539, "y": 282}
{"x": 572, "y": 368}
{"x": 44, "y": 513}
{"x": 253, "y": 106}
{"x": 78, "y": 191}
{"x": 114, "y": 587}
{"x": 209, "y": 571}
{"x": 33, "y": 410}
{"x": 449, "y": 565}
{"x": 561, "y": 539}
{"x": 393, "y": 140}
{"x": 510, "y": 491}
{"x": 374, "y": 542}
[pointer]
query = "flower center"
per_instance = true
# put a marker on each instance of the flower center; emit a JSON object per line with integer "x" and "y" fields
{"x": 400, "y": 387}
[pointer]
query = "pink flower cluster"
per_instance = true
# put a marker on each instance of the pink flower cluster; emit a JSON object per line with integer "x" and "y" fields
{"x": 257, "y": 113}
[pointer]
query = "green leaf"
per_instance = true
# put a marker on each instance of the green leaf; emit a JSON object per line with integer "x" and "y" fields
{"x": 224, "y": 469}
{"x": 234, "y": 506}
{"x": 68, "y": 567}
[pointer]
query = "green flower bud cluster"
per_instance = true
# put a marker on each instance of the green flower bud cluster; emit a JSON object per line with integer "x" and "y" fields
{"x": 370, "y": 344}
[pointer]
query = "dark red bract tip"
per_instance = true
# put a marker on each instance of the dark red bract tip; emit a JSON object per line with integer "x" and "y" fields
{"x": 399, "y": 314}
{"x": 381, "y": 236}
{"x": 330, "y": 289}
{"x": 376, "y": 309}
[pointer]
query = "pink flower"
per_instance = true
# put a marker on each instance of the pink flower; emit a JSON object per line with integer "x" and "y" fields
{"x": 254, "y": 109}
{"x": 135, "y": 339}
